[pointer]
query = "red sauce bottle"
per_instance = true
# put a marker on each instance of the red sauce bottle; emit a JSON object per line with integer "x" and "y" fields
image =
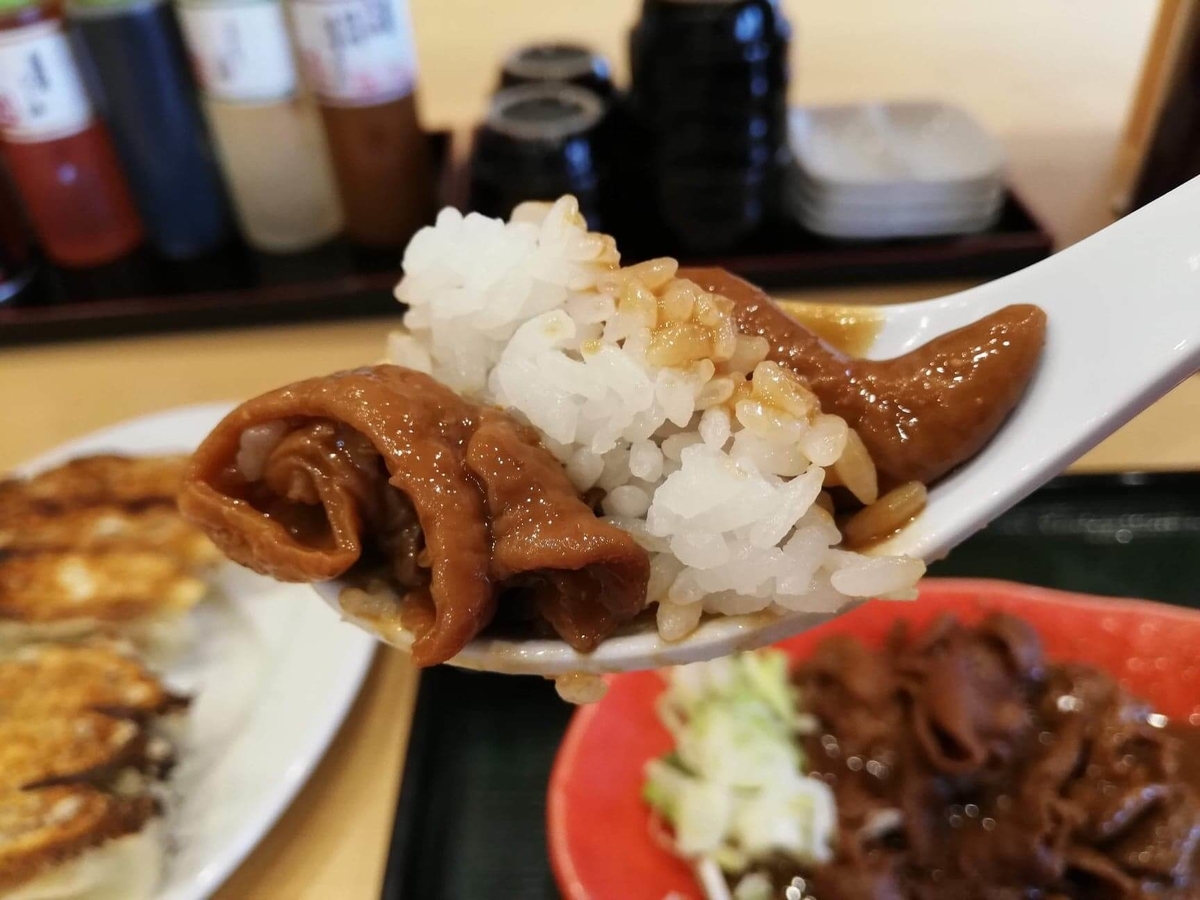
{"x": 59, "y": 154}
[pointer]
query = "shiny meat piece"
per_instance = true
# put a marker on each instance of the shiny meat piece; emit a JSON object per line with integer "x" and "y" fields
{"x": 1162, "y": 841}
{"x": 586, "y": 577}
{"x": 921, "y": 414}
{"x": 347, "y": 439}
{"x": 1015, "y": 778}
{"x": 967, "y": 709}
{"x": 1099, "y": 875}
{"x": 302, "y": 482}
{"x": 857, "y": 878}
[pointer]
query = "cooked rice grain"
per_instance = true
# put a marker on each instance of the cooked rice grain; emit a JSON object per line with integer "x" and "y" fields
{"x": 712, "y": 457}
{"x": 885, "y": 516}
{"x": 856, "y": 470}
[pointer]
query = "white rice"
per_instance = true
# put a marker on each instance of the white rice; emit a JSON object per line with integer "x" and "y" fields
{"x": 535, "y": 316}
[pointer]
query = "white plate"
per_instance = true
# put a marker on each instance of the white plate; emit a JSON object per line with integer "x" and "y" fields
{"x": 809, "y": 207}
{"x": 882, "y": 144}
{"x": 882, "y": 227}
{"x": 273, "y": 671}
{"x": 805, "y": 207}
{"x": 908, "y": 197}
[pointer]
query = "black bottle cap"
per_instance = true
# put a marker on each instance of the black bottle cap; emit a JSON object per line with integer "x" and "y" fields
{"x": 564, "y": 62}
{"x": 544, "y": 112}
{"x": 539, "y": 141}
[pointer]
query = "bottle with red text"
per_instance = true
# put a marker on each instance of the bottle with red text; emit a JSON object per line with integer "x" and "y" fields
{"x": 265, "y": 127}
{"x": 59, "y": 154}
{"x": 358, "y": 59}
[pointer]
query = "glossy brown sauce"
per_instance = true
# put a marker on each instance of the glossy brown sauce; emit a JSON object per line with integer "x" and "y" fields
{"x": 850, "y": 330}
{"x": 967, "y": 767}
{"x": 1187, "y": 737}
{"x": 384, "y": 468}
{"x": 461, "y": 503}
{"x": 921, "y": 414}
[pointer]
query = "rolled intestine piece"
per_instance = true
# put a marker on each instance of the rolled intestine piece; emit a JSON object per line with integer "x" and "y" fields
{"x": 385, "y": 470}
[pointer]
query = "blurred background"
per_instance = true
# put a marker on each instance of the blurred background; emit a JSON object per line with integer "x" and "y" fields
{"x": 1053, "y": 82}
{"x": 175, "y": 173}
{"x": 220, "y": 162}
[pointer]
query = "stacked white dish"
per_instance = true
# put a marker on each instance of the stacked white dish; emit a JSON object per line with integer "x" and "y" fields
{"x": 891, "y": 170}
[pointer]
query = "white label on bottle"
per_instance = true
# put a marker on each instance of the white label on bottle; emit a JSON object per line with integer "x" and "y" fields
{"x": 240, "y": 50}
{"x": 41, "y": 93}
{"x": 355, "y": 52}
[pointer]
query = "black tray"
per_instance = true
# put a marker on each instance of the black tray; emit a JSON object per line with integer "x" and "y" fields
{"x": 237, "y": 287}
{"x": 470, "y": 821}
{"x": 783, "y": 254}
{"x": 234, "y": 286}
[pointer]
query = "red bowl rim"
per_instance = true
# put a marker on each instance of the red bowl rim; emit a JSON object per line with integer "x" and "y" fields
{"x": 561, "y": 862}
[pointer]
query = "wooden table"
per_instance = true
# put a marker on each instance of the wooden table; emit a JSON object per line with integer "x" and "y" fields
{"x": 1051, "y": 79}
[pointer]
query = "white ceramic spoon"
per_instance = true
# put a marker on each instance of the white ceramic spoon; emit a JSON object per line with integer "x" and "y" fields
{"x": 1123, "y": 313}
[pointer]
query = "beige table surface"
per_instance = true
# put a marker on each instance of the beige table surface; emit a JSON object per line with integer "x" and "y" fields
{"x": 1052, "y": 79}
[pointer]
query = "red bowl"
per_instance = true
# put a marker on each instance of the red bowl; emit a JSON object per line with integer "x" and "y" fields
{"x": 601, "y": 845}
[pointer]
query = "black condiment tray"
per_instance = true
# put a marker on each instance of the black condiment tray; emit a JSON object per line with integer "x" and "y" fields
{"x": 233, "y": 287}
{"x": 470, "y": 820}
{"x": 783, "y": 254}
{"x": 238, "y": 287}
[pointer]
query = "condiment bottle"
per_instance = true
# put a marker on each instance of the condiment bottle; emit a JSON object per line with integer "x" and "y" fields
{"x": 358, "y": 59}
{"x": 60, "y": 155}
{"x": 709, "y": 89}
{"x": 540, "y": 141}
{"x": 266, "y": 128}
{"x": 144, "y": 87}
{"x": 570, "y": 63}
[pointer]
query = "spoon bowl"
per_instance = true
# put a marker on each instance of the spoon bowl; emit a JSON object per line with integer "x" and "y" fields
{"x": 1123, "y": 312}
{"x": 629, "y": 650}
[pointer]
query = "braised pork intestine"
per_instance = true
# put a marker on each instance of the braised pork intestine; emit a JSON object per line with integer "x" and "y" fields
{"x": 998, "y": 776}
{"x": 461, "y": 503}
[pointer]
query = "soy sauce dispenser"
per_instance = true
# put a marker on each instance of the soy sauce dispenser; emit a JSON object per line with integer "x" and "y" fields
{"x": 709, "y": 96}
{"x": 558, "y": 61}
{"x": 540, "y": 141}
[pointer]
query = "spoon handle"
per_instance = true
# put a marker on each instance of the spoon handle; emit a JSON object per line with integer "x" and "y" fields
{"x": 1123, "y": 328}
